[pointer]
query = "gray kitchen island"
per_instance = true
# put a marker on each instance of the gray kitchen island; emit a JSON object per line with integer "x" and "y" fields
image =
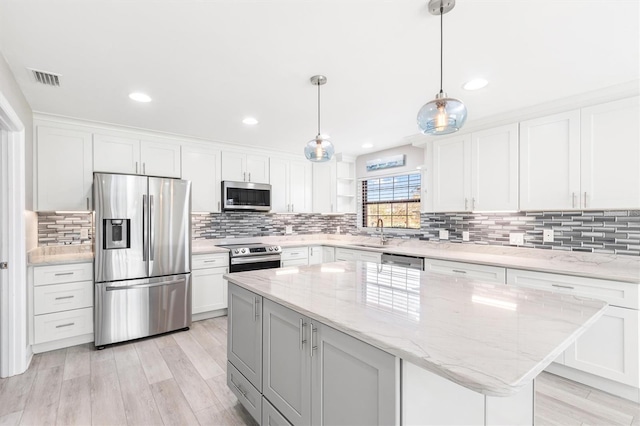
{"x": 364, "y": 343}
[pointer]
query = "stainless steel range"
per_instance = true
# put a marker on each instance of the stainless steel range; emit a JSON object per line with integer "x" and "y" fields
{"x": 250, "y": 257}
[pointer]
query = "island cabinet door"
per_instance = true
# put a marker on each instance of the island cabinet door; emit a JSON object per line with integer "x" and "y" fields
{"x": 286, "y": 362}
{"x": 352, "y": 383}
{"x": 244, "y": 338}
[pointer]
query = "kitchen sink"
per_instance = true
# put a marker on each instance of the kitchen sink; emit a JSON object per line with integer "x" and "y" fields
{"x": 368, "y": 245}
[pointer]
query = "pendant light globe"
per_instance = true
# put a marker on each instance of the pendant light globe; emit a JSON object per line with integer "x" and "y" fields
{"x": 443, "y": 115}
{"x": 320, "y": 148}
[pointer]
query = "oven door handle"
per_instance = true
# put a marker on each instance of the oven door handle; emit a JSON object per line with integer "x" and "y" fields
{"x": 254, "y": 259}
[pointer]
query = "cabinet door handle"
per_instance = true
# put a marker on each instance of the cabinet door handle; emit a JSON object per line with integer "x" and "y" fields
{"x": 63, "y": 273}
{"x": 562, "y": 286}
{"x": 312, "y": 330}
{"x": 239, "y": 389}
{"x": 249, "y": 176}
{"x": 210, "y": 261}
{"x": 244, "y": 176}
{"x": 473, "y": 203}
{"x": 301, "y": 325}
{"x": 292, "y": 208}
{"x": 136, "y": 167}
{"x": 218, "y": 205}
{"x": 87, "y": 203}
{"x": 573, "y": 200}
{"x": 466, "y": 203}
{"x": 585, "y": 199}
{"x": 65, "y": 325}
{"x": 332, "y": 207}
{"x": 64, "y": 297}
{"x": 458, "y": 271}
{"x": 256, "y": 313}
{"x": 144, "y": 168}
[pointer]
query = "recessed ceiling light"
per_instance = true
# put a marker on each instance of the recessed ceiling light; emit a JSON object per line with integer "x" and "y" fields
{"x": 475, "y": 84}
{"x": 250, "y": 121}
{"x": 367, "y": 145}
{"x": 140, "y": 97}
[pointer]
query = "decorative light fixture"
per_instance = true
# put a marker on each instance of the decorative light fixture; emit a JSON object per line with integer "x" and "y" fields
{"x": 319, "y": 149}
{"x": 442, "y": 115}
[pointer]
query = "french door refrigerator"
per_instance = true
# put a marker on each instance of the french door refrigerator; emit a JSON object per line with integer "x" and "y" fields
{"x": 142, "y": 256}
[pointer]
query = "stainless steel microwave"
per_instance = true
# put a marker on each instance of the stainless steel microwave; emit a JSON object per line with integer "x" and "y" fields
{"x": 247, "y": 196}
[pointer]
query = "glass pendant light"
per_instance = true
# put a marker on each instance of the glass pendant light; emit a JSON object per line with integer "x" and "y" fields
{"x": 319, "y": 149}
{"x": 442, "y": 115}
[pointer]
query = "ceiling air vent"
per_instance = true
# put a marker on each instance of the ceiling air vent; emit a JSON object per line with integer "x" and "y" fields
{"x": 45, "y": 77}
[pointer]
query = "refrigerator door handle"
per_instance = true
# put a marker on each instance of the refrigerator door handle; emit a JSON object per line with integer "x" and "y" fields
{"x": 144, "y": 228}
{"x": 152, "y": 232}
{"x": 133, "y": 287}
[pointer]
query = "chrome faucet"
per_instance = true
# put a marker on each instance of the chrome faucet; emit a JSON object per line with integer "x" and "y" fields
{"x": 380, "y": 227}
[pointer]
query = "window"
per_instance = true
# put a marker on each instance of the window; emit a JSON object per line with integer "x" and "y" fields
{"x": 394, "y": 199}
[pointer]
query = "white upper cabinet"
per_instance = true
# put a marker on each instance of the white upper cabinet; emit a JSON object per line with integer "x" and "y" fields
{"x": 291, "y": 186}
{"x": 324, "y": 187}
{"x": 550, "y": 162}
{"x": 494, "y": 169}
{"x": 201, "y": 166}
{"x": 64, "y": 172}
{"x": 452, "y": 174}
{"x": 245, "y": 167}
{"x": 583, "y": 159}
{"x": 122, "y": 154}
{"x": 610, "y": 155}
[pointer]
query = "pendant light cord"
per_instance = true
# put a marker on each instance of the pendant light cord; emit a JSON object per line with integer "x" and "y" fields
{"x": 318, "y": 83}
{"x": 441, "y": 41}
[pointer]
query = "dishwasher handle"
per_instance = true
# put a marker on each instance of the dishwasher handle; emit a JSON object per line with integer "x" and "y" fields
{"x": 411, "y": 262}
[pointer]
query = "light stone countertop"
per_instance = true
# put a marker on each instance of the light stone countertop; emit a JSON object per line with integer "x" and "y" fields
{"x": 602, "y": 266}
{"x": 489, "y": 338}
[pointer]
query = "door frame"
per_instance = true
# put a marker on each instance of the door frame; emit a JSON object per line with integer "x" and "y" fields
{"x": 15, "y": 352}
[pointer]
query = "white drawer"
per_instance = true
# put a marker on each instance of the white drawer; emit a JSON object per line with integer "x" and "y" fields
{"x": 248, "y": 396}
{"x": 346, "y": 254}
{"x": 369, "y": 256}
{"x": 493, "y": 274}
{"x": 295, "y": 253}
{"x": 615, "y": 293}
{"x": 62, "y": 297}
{"x": 56, "y": 274}
{"x": 203, "y": 261}
{"x": 62, "y": 325}
{"x": 294, "y": 262}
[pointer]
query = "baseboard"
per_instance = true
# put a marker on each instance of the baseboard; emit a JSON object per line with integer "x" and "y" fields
{"x": 64, "y": 343}
{"x": 211, "y": 314}
{"x": 615, "y": 388}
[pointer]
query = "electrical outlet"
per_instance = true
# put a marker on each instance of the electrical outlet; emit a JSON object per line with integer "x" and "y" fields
{"x": 288, "y": 229}
{"x": 516, "y": 238}
{"x": 444, "y": 234}
{"x": 84, "y": 233}
{"x": 547, "y": 236}
{"x": 465, "y": 235}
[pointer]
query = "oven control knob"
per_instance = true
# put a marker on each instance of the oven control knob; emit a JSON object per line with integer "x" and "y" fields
{"x": 276, "y": 248}
{"x": 236, "y": 251}
{"x": 243, "y": 250}
{"x": 270, "y": 248}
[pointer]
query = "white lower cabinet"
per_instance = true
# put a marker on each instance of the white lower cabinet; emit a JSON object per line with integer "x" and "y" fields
{"x": 328, "y": 254}
{"x": 62, "y": 305}
{"x": 209, "y": 288}
{"x": 493, "y": 274}
{"x": 316, "y": 255}
{"x": 294, "y": 256}
{"x": 609, "y": 348}
{"x": 314, "y": 374}
{"x": 362, "y": 255}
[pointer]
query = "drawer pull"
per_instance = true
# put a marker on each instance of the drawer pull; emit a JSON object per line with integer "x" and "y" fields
{"x": 210, "y": 261}
{"x": 458, "y": 271}
{"x": 562, "y": 286}
{"x": 66, "y": 325}
{"x": 63, "y": 273}
{"x": 64, "y": 297}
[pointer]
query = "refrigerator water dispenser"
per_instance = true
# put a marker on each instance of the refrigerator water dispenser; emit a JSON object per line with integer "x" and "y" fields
{"x": 116, "y": 234}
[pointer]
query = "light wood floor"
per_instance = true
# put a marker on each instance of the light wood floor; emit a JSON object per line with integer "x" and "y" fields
{"x": 180, "y": 379}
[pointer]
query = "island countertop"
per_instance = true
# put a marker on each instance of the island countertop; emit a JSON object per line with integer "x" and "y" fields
{"x": 491, "y": 338}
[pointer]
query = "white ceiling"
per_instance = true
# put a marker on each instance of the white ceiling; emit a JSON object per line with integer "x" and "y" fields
{"x": 208, "y": 64}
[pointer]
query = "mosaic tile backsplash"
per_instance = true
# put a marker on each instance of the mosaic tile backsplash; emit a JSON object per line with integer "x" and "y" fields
{"x": 610, "y": 232}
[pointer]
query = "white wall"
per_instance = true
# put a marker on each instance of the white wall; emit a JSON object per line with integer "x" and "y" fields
{"x": 414, "y": 157}
{"x": 10, "y": 90}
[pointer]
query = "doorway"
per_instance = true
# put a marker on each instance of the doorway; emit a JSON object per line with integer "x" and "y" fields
{"x": 14, "y": 350}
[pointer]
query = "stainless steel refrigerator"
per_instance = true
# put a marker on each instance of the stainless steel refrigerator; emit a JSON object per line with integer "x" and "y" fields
{"x": 142, "y": 256}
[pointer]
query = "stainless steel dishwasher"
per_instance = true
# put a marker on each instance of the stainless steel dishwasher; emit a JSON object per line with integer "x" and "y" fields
{"x": 411, "y": 262}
